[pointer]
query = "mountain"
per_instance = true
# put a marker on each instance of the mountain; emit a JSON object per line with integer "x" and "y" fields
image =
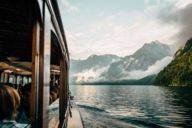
{"x": 179, "y": 71}
{"x": 141, "y": 60}
{"x": 88, "y": 69}
{"x": 143, "y": 65}
{"x": 93, "y": 61}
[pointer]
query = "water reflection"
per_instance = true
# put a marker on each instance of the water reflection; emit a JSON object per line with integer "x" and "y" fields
{"x": 145, "y": 106}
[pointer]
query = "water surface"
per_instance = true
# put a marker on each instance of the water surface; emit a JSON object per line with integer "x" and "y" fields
{"x": 119, "y": 106}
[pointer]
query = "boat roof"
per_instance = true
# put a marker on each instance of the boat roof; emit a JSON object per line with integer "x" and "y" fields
{"x": 16, "y": 31}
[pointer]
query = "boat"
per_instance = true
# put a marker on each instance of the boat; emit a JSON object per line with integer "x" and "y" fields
{"x": 33, "y": 50}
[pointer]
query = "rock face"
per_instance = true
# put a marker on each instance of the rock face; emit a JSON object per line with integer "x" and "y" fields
{"x": 142, "y": 59}
{"x": 93, "y": 61}
{"x": 179, "y": 71}
{"x": 112, "y": 69}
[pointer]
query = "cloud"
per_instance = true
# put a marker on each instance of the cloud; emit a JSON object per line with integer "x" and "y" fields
{"x": 153, "y": 69}
{"x": 146, "y": 1}
{"x": 109, "y": 37}
{"x": 180, "y": 4}
{"x": 91, "y": 75}
{"x": 123, "y": 32}
{"x": 126, "y": 37}
{"x": 179, "y": 15}
{"x": 79, "y": 47}
{"x": 66, "y": 5}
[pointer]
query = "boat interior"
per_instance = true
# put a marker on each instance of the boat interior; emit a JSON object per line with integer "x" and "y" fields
{"x": 32, "y": 47}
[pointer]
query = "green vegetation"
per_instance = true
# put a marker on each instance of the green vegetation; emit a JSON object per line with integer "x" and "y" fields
{"x": 179, "y": 71}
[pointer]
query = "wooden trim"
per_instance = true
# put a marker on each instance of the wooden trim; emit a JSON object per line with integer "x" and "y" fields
{"x": 57, "y": 27}
{"x": 35, "y": 75}
{"x": 62, "y": 107}
{"x": 44, "y": 78}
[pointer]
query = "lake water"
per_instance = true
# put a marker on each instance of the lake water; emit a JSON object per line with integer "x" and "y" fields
{"x": 117, "y": 106}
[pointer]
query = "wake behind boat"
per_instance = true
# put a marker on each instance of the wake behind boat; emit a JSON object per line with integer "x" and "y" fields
{"x": 74, "y": 120}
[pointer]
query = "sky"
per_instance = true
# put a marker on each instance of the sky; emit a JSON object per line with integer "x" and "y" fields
{"x": 120, "y": 27}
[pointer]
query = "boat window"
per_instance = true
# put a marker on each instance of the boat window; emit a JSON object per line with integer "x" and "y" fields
{"x": 22, "y": 31}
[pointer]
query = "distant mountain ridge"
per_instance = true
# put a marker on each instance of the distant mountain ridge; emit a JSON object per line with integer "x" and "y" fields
{"x": 90, "y": 68}
{"x": 179, "y": 71}
{"x": 140, "y": 60}
{"x": 93, "y": 61}
{"x": 112, "y": 69}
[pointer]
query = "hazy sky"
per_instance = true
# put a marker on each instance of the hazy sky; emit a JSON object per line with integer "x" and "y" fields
{"x": 120, "y": 27}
